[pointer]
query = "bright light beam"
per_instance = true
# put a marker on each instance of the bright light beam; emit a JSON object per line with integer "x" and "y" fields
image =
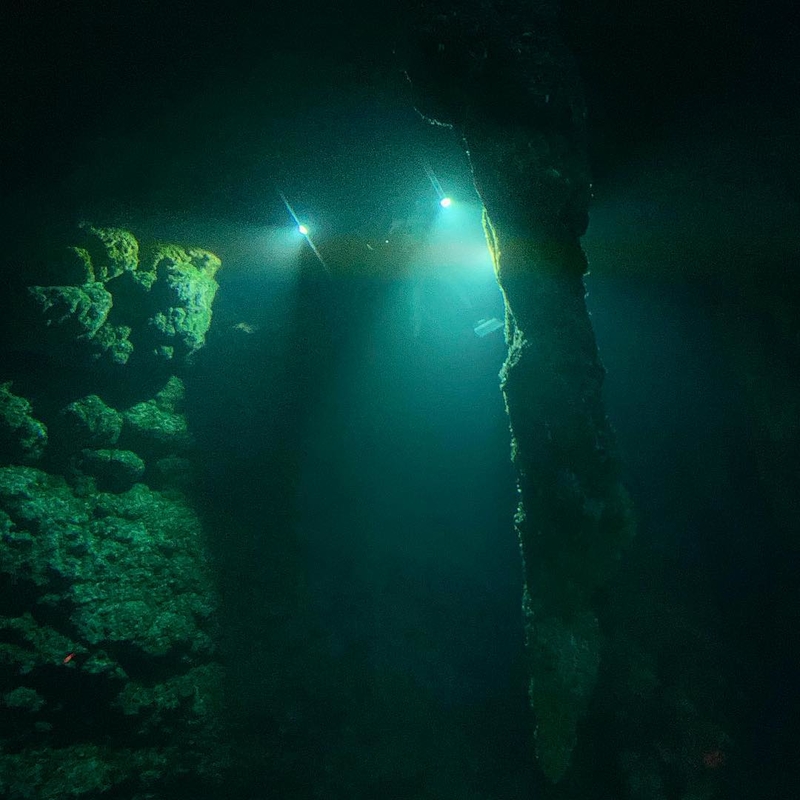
{"x": 444, "y": 200}
{"x": 290, "y": 210}
{"x": 317, "y": 254}
{"x": 303, "y": 230}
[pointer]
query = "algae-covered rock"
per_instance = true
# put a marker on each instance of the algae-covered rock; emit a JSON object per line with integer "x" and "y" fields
{"x": 60, "y": 265}
{"x": 114, "y": 342}
{"x": 129, "y": 565}
{"x": 172, "y": 472}
{"x": 184, "y": 289}
{"x": 114, "y": 470}
{"x": 115, "y": 620}
{"x": 155, "y": 427}
{"x": 112, "y": 251}
{"x": 108, "y": 636}
{"x": 171, "y": 694}
{"x": 24, "y": 698}
{"x": 166, "y": 429}
{"x": 566, "y": 658}
{"x": 71, "y": 266}
{"x": 78, "y": 770}
{"x": 22, "y": 437}
{"x": 30, "y": 645}
{"x": 171, "y": 396}
{"x": 89, "y": 422}
{"x": 73, "y": 312}
{"x": 111, "y": 303}
{"x": 36, "y": 503}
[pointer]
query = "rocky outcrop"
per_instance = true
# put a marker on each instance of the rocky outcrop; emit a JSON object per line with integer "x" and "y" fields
{"x": 102, "y": 593}
{"x": 500, "y": 75}
{"x": 22, "y": 437}
{"x": 112, "y": 300}
{"x": 89, "y": 422}
{"x": 110, "y": 681}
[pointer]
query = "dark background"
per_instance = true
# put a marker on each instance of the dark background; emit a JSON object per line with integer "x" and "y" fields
{"x": 75, "y": 72}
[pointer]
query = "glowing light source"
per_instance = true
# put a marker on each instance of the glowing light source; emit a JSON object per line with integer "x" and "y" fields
{"x": 302, "y": 229}
{"x": 444, "y": 200}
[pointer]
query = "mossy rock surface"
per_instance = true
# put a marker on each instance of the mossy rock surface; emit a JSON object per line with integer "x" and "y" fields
{"x": 22, "y": 437}
{"x": 114, "y": 470}
{"x": 110, "y": 301}
{"x": 73, "y": 312}
{"x": 110, "y": 597}
{"x": 113, "y": 251}
{"x": 88, "y": 422}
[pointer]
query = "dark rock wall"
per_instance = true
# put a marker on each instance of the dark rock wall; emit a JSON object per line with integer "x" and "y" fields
{"x": 500, "y": 74}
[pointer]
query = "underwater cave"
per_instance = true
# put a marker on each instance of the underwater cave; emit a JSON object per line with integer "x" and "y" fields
{"x": 399, "y": 402}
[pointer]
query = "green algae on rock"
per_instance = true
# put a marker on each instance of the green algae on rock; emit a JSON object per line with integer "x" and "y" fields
{"x": 155, "y": 427}
{"x": 115, "y": 584}
{"x": 22, "y": 437}
{"x": 112, "y": 301}
{"x": 185, "y": 290}
{"x": 114, "y": 470}
{"x": 89, "y": 422}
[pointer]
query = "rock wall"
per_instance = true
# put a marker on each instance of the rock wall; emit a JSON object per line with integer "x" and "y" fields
{"x": 500, "y": 75}
{"x": 110, "y": 682}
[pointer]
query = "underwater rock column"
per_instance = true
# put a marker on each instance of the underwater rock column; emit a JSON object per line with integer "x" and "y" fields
{"x": 499, "y": 74}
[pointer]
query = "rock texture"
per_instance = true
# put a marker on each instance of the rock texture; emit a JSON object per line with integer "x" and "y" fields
{"x": 113, "y": 301}
{"x": 110, "y": 683}
{"x": 22, "y": 437}
{"x": 499, "y": 73}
